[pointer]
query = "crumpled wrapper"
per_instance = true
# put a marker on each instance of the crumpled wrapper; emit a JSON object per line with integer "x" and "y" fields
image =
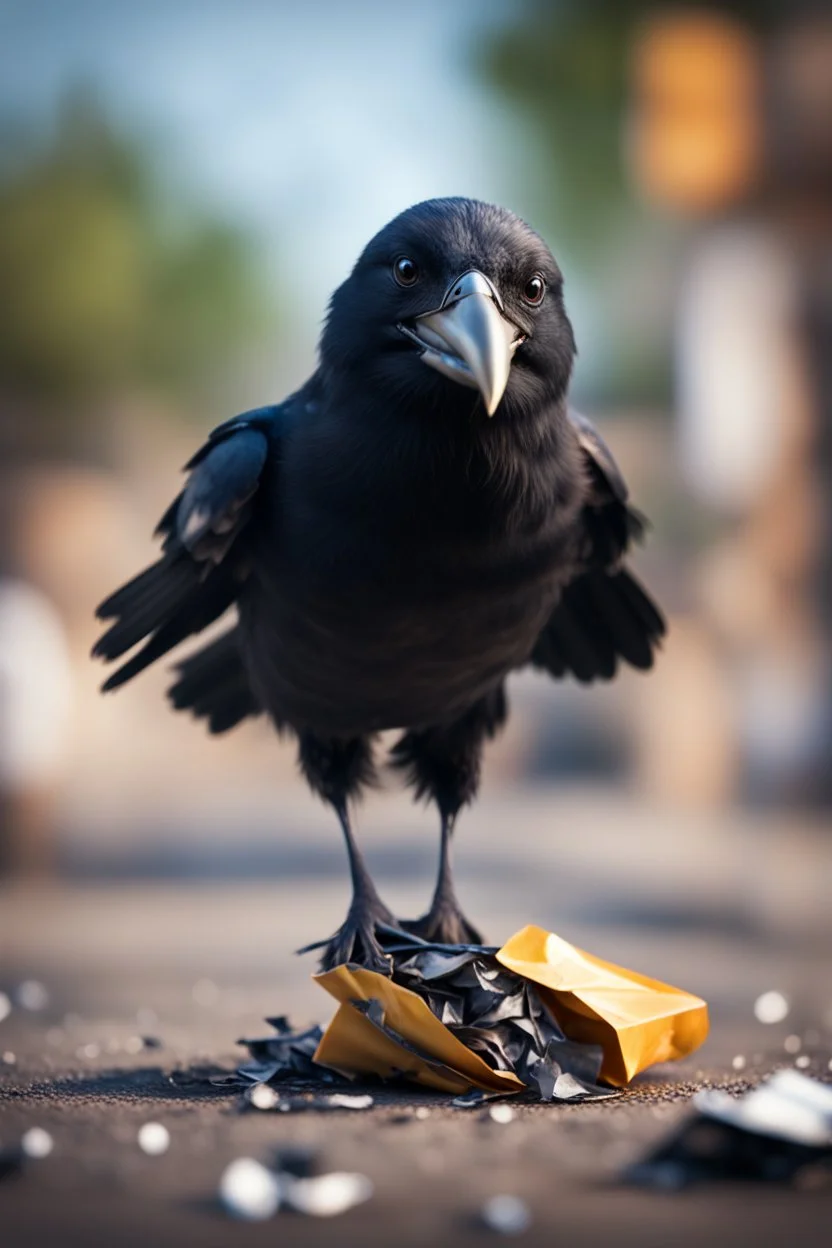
{"x": 637, "y": 1021}
{"x": 369, "y": 1042}
{"x": 385, "y": 1029}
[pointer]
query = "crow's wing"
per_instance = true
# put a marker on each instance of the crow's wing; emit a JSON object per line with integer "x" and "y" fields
{"x": 213, "y": 684}
{"x": 603, "y": 614}
{"x": 203, "y": 560}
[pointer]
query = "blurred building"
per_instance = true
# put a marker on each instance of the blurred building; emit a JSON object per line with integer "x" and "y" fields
{"x": 698, "y": 275}
{"x": 35, "y": 709}
{"x": 729, "y": 129}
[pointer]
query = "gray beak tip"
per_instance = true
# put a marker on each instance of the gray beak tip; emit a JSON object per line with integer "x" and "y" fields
{"x": 470, "y": 340}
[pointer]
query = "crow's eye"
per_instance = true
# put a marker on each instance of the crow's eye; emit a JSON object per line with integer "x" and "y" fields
{"x": 406, "y": 271}
{"x": 534, "y": 290}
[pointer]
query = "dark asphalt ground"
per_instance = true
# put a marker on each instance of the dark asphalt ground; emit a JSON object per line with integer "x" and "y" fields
{"x": 195, "y": 965}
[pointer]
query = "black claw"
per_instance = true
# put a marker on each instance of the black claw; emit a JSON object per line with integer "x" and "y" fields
{"x": 356, "y": 940}
{"x": 356, "y": 945}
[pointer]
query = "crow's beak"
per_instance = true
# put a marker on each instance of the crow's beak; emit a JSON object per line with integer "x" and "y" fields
{"x": 468, "y": 338}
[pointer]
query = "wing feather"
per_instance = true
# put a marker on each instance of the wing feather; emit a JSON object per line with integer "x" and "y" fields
{"x": 603, "y": 614}
{"x": 203, "y": 532}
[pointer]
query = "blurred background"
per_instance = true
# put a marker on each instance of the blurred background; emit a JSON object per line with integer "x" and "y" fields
{"x": 182, "y": 185}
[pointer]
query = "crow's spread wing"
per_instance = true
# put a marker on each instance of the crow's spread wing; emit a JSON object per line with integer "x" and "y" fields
{"x": 202, "y": 565}
{"x": 603, "y": 614}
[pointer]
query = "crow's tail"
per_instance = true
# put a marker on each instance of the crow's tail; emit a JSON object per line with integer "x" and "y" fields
{"x": 213, "y": 685}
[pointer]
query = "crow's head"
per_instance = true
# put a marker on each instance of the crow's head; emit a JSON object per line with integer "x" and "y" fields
{"x": 455, "y": 295}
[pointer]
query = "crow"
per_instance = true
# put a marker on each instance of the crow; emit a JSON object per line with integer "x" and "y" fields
{"x": 425, "y": 515}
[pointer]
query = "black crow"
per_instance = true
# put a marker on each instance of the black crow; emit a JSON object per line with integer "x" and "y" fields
{"x": 423, "y": 517}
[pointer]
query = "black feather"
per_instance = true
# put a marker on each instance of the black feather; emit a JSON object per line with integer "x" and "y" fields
{"x": 574, "y": 648}
{"x": 221, "y": 483}
{"x": 214, "y": 685}
{"x": 200, "y": 609}
{"x": 193, "y": 583}
{"x": 145, "y": 604}
{"x": 601, "y": 618}
{"x": 167, "y": 525}
{"x": 642, "y": 606}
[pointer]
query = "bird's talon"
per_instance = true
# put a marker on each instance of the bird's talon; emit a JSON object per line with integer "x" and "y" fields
{"x": 356, "y": 942}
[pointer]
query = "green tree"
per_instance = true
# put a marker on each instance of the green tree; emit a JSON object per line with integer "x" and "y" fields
{"x": 565, "y": 63}
{"x": 107, "y": 284}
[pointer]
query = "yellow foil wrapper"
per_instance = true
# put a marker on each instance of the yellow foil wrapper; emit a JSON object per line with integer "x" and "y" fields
{"x": 354, "y": 1045}
{"x": 637, "y": 1021}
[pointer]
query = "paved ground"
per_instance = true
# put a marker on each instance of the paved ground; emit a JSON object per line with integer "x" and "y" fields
{"x": 725, "y": 908}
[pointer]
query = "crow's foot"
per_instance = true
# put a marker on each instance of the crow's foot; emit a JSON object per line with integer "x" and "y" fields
{"x": 356, "y": 940}
{"x": 444, "y": 924}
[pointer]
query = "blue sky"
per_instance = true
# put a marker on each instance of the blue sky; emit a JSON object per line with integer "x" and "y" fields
{"x": 315, "y": 122}
{"x": 311, "y": 122}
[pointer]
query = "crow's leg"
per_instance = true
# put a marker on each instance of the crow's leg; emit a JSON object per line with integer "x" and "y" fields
{"x": 337, "y": 770}
{"x": 443, "y": 763}
{"x": 444, "y": 922}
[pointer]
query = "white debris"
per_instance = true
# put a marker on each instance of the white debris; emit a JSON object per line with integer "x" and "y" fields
{"x": 789, "y": 1106}
{"x": 88, "y": 1051}
{"x": 738, "y": 1062}
{"x": 771, "y": 1007}
{"x": 154, "y": 1139}
{"x": 343, "y": 1100}
{"x": 249, "y": 1191}
{"x": 422, "y": 1112}
{"x": 803, "y": 1062}
{"x": 5, "y": 1006}
{"x": 37, "y": 1143}
{"x": 261, "y": 1096}
{"x": 326, "y": 1195}
{"x": 502, "y": 1114}
{"x": 32, "y": 995}
{"x": 133, "y": 1044}
{"x": 792, "y": 1044}
{"x": 508, "y": 1215}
